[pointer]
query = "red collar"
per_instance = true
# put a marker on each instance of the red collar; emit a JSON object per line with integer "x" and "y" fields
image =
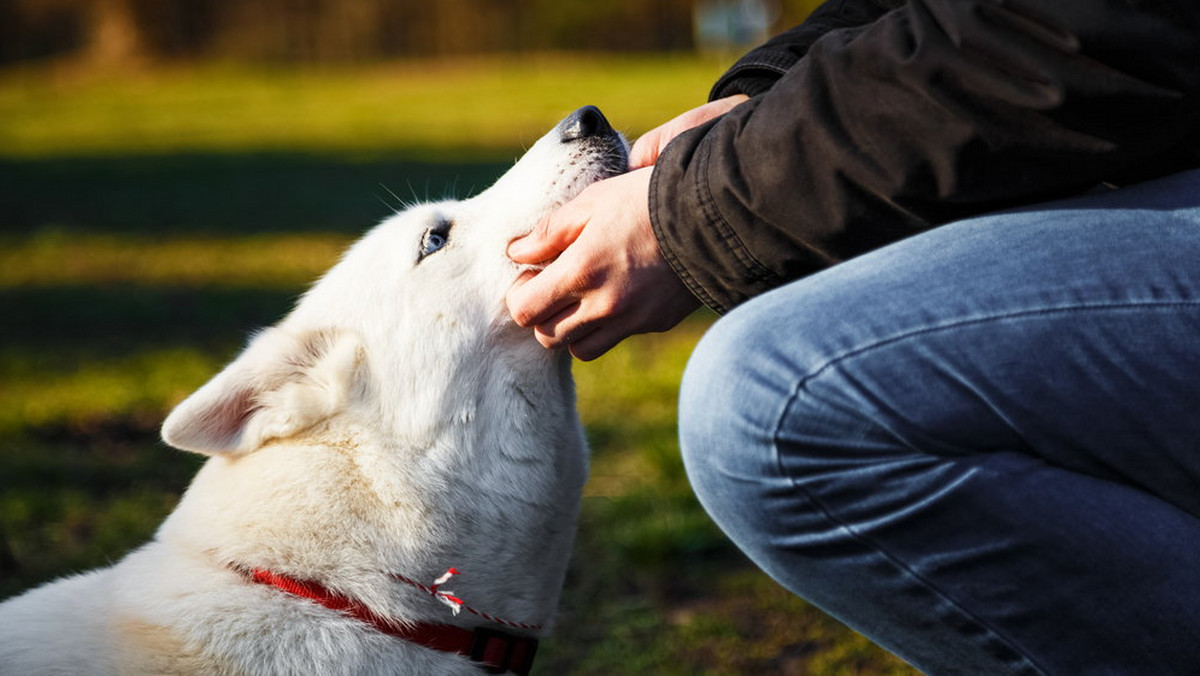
{"x": 496, "y": 651}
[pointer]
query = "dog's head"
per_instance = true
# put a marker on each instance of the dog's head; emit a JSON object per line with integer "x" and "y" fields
{"x": 413, "y": 312}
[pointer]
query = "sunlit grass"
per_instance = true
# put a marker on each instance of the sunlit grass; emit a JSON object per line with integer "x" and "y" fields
{"x": 57, "y": 257}
{"x": 490, "y": 104}
{"x": 142, "y": 384}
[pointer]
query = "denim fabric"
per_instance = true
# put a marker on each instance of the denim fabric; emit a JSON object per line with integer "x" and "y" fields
{"x": 980, "y": 447}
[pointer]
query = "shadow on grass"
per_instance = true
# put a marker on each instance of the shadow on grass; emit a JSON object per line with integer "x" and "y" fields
{"x": 226, "y": 193}
{"x": 128, "y": 318}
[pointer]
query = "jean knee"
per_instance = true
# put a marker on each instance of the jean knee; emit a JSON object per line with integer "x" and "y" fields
{"x": 725, "y": 419}
{"x": 702, "y": 405}
{"x": 765, "y": 402}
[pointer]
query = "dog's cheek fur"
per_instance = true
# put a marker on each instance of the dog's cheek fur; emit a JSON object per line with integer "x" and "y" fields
{"x": 281, "y": 385}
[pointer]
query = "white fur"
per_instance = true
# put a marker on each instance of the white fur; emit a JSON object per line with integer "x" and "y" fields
{"x": 395, "y": 422}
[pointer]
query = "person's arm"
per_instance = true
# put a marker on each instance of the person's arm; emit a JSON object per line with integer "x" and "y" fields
{"x": 936, "y": 111}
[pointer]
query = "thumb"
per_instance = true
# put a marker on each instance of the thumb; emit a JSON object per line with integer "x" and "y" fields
{"x": 545, "y": 243}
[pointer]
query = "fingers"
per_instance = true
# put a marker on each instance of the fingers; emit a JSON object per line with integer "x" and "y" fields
{"x": 596, "y": 343}
{"x": 588, "y": 333}
{"x": 601, "y": 312}
{"x": 582, "y": 269}
{"x": 646, "y": 149}
{"x": 582, "y": 298}
{"x": 544, "y": 243}
{"x": 610, "y": 282}
{"x": 536, "y": 298}
{"x": 584, "y": 331}
{"x": 552, "y": 235}
{"x": 569, "y": 304}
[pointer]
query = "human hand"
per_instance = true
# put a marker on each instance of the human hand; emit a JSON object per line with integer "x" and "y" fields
{"x": 604, "y": 279}
{"x": 646, "y": 149}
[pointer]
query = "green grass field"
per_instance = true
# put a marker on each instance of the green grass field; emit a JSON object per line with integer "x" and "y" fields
{"x": 152, "y": 220}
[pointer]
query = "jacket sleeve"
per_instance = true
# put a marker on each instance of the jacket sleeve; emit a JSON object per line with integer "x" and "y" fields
{"x": 755, "y": 72}
{"x": 932, "y": 112}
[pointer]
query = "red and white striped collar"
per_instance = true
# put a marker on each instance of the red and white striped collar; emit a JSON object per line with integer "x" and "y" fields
{"x": 494, "y": 650}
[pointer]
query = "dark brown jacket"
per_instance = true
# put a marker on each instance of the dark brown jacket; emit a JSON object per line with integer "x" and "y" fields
{"x": 878, "y": 119}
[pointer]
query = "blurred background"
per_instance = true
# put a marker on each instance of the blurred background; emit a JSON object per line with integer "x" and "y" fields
{"x": 357, "y": 31}
{"x": 174, "y": 173}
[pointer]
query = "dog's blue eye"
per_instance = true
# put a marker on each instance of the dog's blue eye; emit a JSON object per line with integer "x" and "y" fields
{"x": 433, "y": 242}
{"x": 435, "y": 238}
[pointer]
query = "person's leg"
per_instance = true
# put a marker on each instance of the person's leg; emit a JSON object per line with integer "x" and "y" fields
{"x": 980, "y": 447}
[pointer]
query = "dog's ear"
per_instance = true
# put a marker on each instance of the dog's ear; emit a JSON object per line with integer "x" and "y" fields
{"x": 282, "y": 384}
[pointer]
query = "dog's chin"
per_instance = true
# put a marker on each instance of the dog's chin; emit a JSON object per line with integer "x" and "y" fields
{"x": 613, "y": 171}
{"x": 612, "y": 163}
{"x": 608, "y": 156}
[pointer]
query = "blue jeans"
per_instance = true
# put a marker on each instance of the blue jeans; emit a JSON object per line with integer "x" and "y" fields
{"x": 979, "y": 447}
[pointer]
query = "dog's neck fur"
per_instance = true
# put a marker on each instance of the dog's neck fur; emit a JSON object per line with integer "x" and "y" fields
{"x": 493, "y": 507}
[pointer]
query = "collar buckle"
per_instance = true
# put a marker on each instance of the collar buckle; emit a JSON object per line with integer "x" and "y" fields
{"x": 497, "y": 652}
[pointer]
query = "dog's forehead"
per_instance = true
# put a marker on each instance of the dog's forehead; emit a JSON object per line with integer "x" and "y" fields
{"x": 426, "y": 216}
{"x": 415, "y": 220}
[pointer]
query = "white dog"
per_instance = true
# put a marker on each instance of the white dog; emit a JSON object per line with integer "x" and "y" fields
{"x": 395, "y": 431}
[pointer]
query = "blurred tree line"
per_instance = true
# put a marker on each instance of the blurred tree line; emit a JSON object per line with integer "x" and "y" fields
{"x": 316, "y": 31}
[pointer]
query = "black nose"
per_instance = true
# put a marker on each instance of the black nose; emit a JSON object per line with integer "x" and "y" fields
{"x": 583, "y": 123}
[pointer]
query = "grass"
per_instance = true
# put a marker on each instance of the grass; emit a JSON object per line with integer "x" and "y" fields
{"x": 429, "y": 108}
{"x": 152, "y": 220}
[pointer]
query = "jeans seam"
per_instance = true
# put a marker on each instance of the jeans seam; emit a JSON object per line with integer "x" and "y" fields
{"x": 1030, "y": 662}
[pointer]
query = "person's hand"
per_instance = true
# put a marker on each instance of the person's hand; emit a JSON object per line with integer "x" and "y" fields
{"x": 605, "y": 279}
{"x": 646, "y": 149}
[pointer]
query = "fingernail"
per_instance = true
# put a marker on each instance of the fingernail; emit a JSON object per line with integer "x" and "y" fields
{"x": 516, "y": 247}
